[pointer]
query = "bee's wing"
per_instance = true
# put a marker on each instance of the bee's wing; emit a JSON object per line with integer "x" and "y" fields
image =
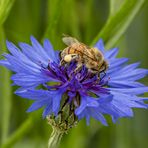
{"x": 69, "y": 40}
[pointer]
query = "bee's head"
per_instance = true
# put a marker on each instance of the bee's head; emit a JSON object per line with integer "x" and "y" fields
{"x": 70, "y": 57}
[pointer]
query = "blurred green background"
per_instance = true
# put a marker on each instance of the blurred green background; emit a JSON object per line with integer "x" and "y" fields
{"x": 87, "y": 20}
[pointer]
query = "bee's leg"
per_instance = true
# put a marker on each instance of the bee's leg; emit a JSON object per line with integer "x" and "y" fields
{"x": 98, "y": 76}
{"x": 78, "y": 68}
{"x": 79, "y": 64}
{"x": 103, "y": 67}
{"x": 103, "y": 75}
{"x": 62, "y": 62}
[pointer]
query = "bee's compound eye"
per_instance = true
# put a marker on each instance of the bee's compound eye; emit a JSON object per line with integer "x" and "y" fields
{"x": 67, "y": 58}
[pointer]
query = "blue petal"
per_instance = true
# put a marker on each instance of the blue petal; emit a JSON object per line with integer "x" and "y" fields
{"x": 124, "y": 84}
{"x": 57, "y": 96}
{"x": 131, "y": 91}
{"x": 38, "y": 104}
{"x": 35, "y": 57}
{"x": 18, "y": 54}
{"x": 54, "y": 55}
{"x": 100, "y": 45}
{"x": 6, "y": 64}
{"x": 129, "y": 100}
{"x": 22, "y": 66}
{"x": 33, "y": 94}
{"x": 129, "y": 67}
{"x": 86, "y": 101}
{"x": 48, "y": 109}
{"x": 13, "y": 49}
{"x": 97, "y": 115}
{"x": 117, "y": 62}
{"x": 38, "y": 48}
{"x": 105, "y": 99}
{"x": 29, "y": 80}
{"x": 111, "y": 53}
{"x": 129, "y": 75}
{"x": 89, "y": 108}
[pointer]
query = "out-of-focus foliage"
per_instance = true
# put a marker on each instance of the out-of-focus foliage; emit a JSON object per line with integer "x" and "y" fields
{"x": 86, "y": 20}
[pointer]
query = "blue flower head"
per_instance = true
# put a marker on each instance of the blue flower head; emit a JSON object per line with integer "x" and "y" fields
{"x": 42, "y": 79}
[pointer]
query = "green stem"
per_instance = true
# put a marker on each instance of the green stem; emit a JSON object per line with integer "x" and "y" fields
{"x": 5, "y": 6}
{"x": 55, "y": 138}
{"x": 19, "y": 133}
{"x": 115, "y": 5}
{"x": 5, "y": 90}
{"x": 125, "y": 24}
{"x": 119, "y": 21}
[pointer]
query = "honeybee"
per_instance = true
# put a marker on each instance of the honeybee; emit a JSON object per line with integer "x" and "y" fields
{"x": 92, "y": 58}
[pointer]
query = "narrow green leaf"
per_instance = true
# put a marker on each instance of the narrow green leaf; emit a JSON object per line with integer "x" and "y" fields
{"x": 116, "y": 25}
{"x": 88, "y": 19}
{"x": 73, "y": 15}
{"x": 5, "y": 89}
{"x": 115, "y": 5}
{"x": 19, "y": 133}
{"x": 5, "y": 6}
{"x": 54, "y": 12}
